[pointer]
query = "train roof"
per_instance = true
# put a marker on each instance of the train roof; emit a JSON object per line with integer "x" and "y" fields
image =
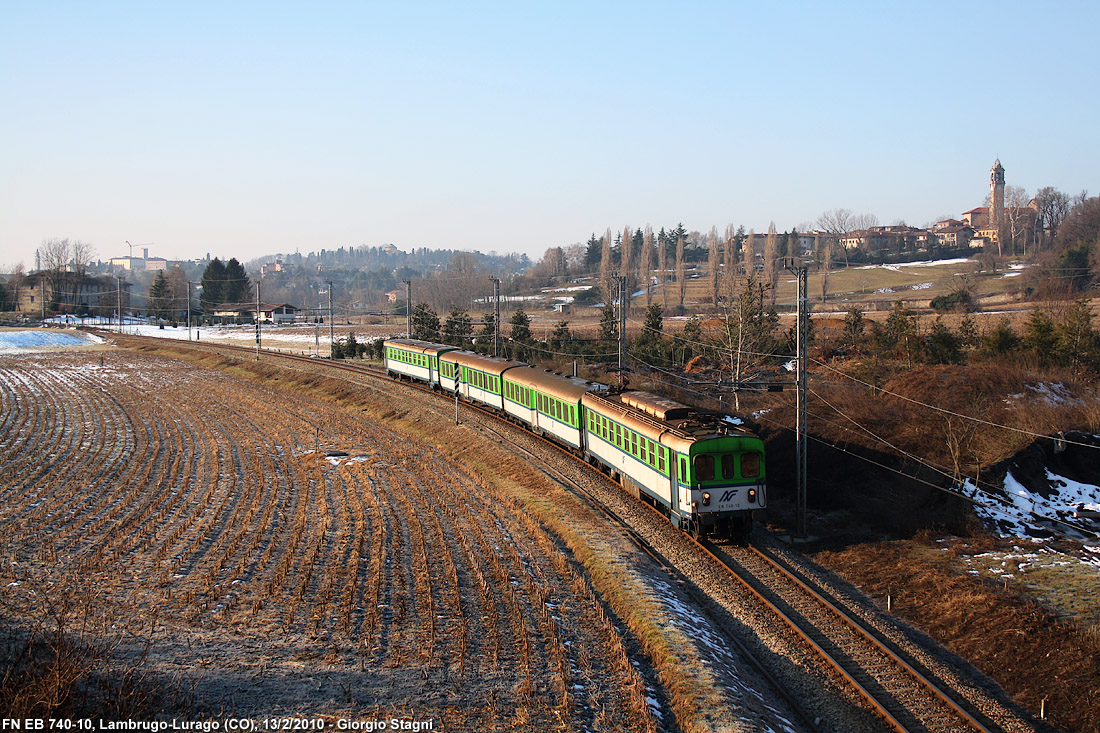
{"x": 489, "y": 364}
{"x": 555, "y": 384}
{"x": 419, "y": 347}
{"x": 661, "y": 419}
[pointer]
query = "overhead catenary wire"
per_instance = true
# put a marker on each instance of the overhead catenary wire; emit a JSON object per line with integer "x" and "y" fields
{"x": 946, "y": 411}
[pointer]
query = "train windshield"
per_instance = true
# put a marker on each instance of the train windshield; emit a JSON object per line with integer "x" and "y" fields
{"x": 724, "y": 466}
{"x": 750, "y": 465}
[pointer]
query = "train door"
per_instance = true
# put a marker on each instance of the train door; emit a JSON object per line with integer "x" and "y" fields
{"x": 674, "y": 489}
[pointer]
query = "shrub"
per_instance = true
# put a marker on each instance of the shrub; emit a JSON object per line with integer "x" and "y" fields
{"x": 956, "y": 302}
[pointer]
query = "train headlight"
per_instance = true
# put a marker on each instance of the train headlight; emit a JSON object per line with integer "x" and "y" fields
{"x": 706, "y": 498}
{"x": 752, "y": 496}
{"x": 694, "y": 505}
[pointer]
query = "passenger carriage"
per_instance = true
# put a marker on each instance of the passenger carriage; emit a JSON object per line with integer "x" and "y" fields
{"x": 548, "y": 401}
{"x": 707, "y": 475}
{"x": 476, "y": 377}
{"x": 415, "y": 359}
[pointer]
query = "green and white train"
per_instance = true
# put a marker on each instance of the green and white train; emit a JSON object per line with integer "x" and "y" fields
{"x": 705, "y": 473}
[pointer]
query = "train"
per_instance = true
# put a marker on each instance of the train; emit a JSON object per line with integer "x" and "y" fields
{"x": 704, "y": 472}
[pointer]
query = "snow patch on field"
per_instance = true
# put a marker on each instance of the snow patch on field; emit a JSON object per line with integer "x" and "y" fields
{"x": 23, "y": 342}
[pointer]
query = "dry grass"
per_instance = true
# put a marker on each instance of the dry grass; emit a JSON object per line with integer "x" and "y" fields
{"x": 1031, "y": 651}
{"x": 59, "y": 656}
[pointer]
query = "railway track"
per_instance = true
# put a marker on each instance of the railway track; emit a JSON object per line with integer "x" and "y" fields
{"x": 904, "y": 694}
{"x": 906, "y": 697}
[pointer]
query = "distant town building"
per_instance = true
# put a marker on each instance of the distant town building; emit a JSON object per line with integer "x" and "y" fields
{"x": 138, "y": 264}
{"x": 246, "y": 312}
{"x": 271, "y": 268}
{"x": 70, "y": 292}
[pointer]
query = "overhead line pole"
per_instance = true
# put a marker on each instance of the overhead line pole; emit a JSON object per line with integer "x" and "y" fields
{"x": 258, "y": 320}
{"x": 331, "y": 332}
{"x": 408, "y": 308}
{"x": 622, "y": 323}
{"x": 801, "y": 334}
{"x": 496, "y": 319}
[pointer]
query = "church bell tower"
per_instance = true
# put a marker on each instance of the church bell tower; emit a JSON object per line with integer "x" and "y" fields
{"x": 996, "y": 194}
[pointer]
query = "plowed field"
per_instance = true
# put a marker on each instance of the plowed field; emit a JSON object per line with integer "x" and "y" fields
{"x": 196, "y": 530}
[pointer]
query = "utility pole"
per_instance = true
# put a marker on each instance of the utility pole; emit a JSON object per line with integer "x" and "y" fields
{"x": 801, "y": 332}
{"x": 408, "y": 308}
{"x": 622, "y": 323}
{"x": 189, "y": 283}
{"x": 496, "y": 320}
{"x": 331, "y": 332}
{"x": 258, "y": 314}
{"x": 118, "y": 300}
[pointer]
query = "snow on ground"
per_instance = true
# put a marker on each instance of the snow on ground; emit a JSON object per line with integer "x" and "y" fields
{"x": 1053, "y": 394}
{"x": 922, "y": 263}
{"x": 29, "y": 341}
{"x": 1021, "y": 513}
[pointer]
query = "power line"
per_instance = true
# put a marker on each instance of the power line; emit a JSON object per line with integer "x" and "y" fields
{"x": 949, "y": 412}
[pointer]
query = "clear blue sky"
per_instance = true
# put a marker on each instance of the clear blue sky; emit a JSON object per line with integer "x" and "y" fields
{"x": 244, "y": 129}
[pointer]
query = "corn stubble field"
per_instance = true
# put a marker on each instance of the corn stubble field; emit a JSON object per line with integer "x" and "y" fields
{"x": 174, "y": 538}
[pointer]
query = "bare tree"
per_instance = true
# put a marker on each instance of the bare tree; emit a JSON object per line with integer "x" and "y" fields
{"x": 605, "y": 268}
{"x": 836, "y": 223}
{"x": 729, "y": 262}
{"x": 748, "y": 253}
{"x": 865, "y": 221}
{"x": 681, "y": 271}
{"x": 771, "y": 261}
{"x": 626, "y": 265}
{"x": 1052, "y": 208}
{"x": 712, "y": 264}
{"x": 645, "y": 264}
{"x": 825, "y": 258}
{"x": 552, "y": 264}
{"x": 1016, "y": 214}
{"x": 662, "y": 269}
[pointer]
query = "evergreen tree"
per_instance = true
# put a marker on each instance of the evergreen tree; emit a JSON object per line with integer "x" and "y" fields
{"x": 853, "y": 326}
{"x": 488, "y": 327}
{"x": 968, "y": 332}
{"x": 213, "y": 285}
{"x": 1076, "y": 339}
{"x": 561, "y": 335}
{"x": 593, "y": 252}
{"x": 691, "y": 338}
{"x": 159, "y": 299}
{"x": 237, "y": 287}
{"x": 458, "y": 328}
{"x": 1001, "y": 340}
{"x": 425, "y": 323}
{"x": 654, "y": 322}
{"x": 1040, "y": 337}
{"x": 521, "y": 326}
{"x": 943, "y": 346}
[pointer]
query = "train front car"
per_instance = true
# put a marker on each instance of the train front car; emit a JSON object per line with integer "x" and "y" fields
{"x": 706, "y": 474}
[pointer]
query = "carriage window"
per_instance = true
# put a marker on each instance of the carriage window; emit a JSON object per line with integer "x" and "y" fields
{"x": 750, "y": 465}
{"x": 727, "y": 466}
{"x": 634, "y": 443}
{"x": 661, "y": 460}
{"x": 704, "y": 468}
